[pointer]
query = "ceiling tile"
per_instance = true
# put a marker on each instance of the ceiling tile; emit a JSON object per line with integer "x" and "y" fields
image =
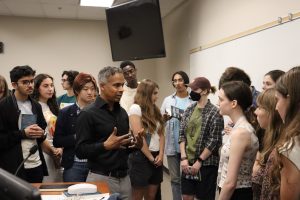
{"x": 60, "y": 11}
{"x": 63, "y": 2}
{"x": 91, "y": 13}
{"x": 25, "y": 8}
{"x": 3, "y": 9}
{"x": 69, "y": 8}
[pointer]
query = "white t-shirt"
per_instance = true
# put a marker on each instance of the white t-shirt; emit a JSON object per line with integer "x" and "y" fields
{"x": 135, "y": 109}
{"x": 50, "y": 120}
{"x": 293, "y": 154}
{"x": 34, "y": 160}
{"x": 127, "y": 98}
{"x": 55, "y": 175}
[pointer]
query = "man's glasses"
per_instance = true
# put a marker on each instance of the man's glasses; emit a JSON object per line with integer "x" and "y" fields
{"x": 64, "y": 80}
{"x": 27, "y": 82}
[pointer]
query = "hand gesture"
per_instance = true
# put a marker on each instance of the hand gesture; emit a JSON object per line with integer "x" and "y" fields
{"x": 116, "y": 142}
{"x": 166, "y": 117}
{"x": 34, "y": 131}
{"x": 136, "y": 141}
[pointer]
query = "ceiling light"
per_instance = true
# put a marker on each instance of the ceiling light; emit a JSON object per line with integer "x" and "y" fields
{"x": 97, "y": 3}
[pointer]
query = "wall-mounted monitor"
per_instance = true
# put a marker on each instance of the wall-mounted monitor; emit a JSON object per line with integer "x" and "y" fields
{"x": 135, "y": 30}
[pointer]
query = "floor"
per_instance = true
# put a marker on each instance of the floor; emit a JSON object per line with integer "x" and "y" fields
{"x": 166, "y": 192}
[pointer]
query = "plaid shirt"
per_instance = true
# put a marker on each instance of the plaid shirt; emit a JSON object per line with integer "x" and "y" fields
{"x": 211, "y": 132}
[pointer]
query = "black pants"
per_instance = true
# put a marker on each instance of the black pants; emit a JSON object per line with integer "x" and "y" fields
{"x": 204, "y": 189}
{"x": 241, "y": 193}
{"x": 34, "y": 175}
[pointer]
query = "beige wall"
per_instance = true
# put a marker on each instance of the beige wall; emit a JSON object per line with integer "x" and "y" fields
{"x": 53, "y": 45}
{"x": 200, "y": 22}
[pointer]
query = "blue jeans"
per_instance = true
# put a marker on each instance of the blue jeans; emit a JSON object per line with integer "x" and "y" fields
{"x": 77, "y": 173}
{"x": 174, "y": 169}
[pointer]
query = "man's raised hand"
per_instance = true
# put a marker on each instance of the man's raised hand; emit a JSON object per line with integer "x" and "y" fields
{"x": 116, "y": 142}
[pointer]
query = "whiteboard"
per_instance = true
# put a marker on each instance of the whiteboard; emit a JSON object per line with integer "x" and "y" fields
{"x": 274, "y": 48}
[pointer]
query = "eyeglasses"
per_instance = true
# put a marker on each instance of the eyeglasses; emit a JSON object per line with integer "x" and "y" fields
{"x": 27, "y": 82}
{"x": 63, "y": 80}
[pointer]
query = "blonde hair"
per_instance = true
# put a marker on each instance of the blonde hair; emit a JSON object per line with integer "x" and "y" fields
{"x": 150, "y": 112}
{"x": 267, "y": 101}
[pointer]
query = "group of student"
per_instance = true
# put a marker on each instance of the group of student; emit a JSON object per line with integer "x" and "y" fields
{"x": 246, "y": 147}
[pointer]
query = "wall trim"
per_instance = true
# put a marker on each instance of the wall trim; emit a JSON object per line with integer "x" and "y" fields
{"x": 279, "y": 21}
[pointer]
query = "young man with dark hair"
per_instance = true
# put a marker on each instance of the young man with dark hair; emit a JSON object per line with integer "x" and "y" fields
{"x": 180, "y": 99}
{"x": 67, "y": 84}
{"x": 131, "y": 84}
{"x": 22, "y": 126}
{"x": 75, "y": 169}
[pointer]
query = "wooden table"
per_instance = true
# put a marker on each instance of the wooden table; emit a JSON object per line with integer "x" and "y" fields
{"x": 101, "y": 186}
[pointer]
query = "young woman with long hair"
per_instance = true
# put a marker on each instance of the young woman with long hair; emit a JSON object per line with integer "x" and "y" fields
{"x": 269, "y": 120}
{"x": 44, "y": 93}
{"x": 286, "y": 166}
{"x": 145, "y": 168}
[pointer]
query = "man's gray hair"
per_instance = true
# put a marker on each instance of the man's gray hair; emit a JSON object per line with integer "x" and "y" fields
{"x": 107, "y": 72}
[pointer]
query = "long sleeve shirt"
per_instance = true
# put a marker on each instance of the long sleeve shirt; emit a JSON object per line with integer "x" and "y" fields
{"x": 211, "y": 131}
{"x": 95, "y": 124}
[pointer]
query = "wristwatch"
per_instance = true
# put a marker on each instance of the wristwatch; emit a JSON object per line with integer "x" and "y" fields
{"x": 200, "y": 160}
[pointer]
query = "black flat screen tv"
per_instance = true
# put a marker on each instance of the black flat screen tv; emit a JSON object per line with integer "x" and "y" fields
{"x": 14, "y": 188}
{"x": 135, "y": 30}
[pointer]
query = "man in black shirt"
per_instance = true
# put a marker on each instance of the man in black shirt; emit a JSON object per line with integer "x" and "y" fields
{"x": 102, "y": 135}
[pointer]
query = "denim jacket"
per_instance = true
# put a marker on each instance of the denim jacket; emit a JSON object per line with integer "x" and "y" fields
{"x": 172, "y": 126}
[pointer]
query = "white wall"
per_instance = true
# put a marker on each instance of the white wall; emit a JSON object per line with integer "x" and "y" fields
{"x": 257, "y": 54}
{"x": 200, "y": 22}
{"x": 53, "y": 45}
